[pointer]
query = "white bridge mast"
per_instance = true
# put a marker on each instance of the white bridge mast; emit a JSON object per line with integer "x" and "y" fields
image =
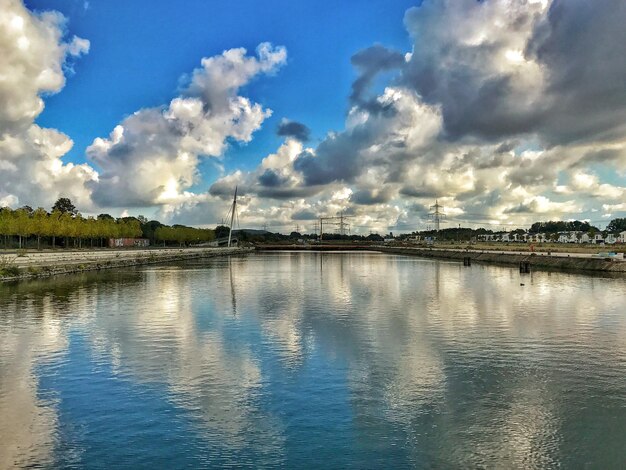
{"x": 233, "y": 210}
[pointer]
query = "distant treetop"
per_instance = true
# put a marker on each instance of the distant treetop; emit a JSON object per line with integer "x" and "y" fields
{"x": 64, "y": 205}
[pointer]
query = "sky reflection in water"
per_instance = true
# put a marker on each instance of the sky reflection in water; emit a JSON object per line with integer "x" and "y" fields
{"x": 307, "y": 359}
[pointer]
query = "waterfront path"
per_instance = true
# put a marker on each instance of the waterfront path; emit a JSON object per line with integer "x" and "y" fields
{"x": 65, "y": 257}
{"x": 22, "y": 265}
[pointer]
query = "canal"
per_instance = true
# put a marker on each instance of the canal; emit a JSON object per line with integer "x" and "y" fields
{"x": 309, "y": 360}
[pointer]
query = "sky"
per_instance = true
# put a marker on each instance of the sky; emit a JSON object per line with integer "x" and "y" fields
{"x": 506, "y": 112}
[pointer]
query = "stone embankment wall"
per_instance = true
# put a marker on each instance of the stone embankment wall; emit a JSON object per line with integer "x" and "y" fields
{"x": 43, "y": 264}
{"x": 537, "y": 260}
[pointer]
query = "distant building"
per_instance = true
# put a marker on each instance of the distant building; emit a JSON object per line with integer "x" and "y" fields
{"x": 128, "y": 242}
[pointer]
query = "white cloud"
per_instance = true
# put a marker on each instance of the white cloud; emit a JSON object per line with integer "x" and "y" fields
{"x": 33, "y": 56}
{"x": 151, "y": 157}
{"x": 493, "y": 112}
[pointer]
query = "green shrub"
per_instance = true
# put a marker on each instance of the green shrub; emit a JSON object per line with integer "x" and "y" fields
{"x": 9, "y": 271}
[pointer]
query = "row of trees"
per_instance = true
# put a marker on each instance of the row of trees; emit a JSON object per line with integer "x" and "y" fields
{"x": 24, "y": 223}
{"x": 552, "y": 229}
{"x": 66, "y": 223}
{"x": 183, "y": 235}
{"x": 555, "y": 226}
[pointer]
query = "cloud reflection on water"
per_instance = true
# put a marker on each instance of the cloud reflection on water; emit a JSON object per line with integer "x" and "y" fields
{"x": 450, "y": 364}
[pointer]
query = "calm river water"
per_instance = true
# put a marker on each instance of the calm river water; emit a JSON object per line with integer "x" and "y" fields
{"x": 300, "y": 360}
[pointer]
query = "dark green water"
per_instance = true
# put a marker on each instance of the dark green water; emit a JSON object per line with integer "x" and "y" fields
{"x": 308, "y": 360}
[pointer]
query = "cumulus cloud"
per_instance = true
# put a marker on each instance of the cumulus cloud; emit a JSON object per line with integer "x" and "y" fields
{"x": 486, "y": 113}
{"x": 373, "y": 139}
{"x": 508, "y": 68}
{"x": 505, "y": 110}
{"x": 494, "y": 104}
{"x": 493, "y": 112}
{"x": 34, "y": 56}
{"x": 151, "y": 157}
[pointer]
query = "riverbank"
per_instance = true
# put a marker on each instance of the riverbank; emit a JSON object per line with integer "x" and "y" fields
{"x": 31, "y": 265}
{"x": 527, "y": 260}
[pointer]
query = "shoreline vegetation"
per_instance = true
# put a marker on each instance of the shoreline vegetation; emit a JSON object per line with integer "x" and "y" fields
{"x": 65, "y": 227}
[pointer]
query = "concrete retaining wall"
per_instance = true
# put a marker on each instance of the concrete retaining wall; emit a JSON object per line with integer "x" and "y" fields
{"x": 534, "y": 260}
{"x": 43, "y": 264}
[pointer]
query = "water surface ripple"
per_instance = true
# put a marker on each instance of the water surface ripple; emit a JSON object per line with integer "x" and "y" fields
{"x": 300, "y": 360}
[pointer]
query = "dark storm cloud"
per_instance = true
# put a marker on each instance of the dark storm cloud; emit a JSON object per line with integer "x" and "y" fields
{"x": 223, "y": 189}
{"x": 336, "y": 158}
{"x": 418, "y": 208}
{"x": 295, "y": 192}
{"x": 419, "y": 192}
{"x": 368, "y": 197}
{"x": 582, "y": 44}
{"x": 270, "y": 179}
{"x": 294, "y": 129}
{"x": 304, "y": 215}
{"x": 370, "y": 62}
{"x": 522, "y": 209}
{"x": 600, "y": 156}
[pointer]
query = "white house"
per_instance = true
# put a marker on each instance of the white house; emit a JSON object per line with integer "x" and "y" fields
{"x": 563, "y": 237}
{"x": 537, "y": 238}
{"x": 574, "y": 237}
{"x": 610, "y": 239}
{"x": 585, "y": 238}
{"x": 598, "y": 239}
{"x": 621, "y": 237}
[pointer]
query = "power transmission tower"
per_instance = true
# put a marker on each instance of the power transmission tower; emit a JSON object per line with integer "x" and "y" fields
{"x": 337, "y": 220}
{"x": 343, "y": 225}
{"x": 436, "y": 214}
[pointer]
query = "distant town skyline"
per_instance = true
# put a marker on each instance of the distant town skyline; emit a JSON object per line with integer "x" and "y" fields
{"x": 505, "y": 112}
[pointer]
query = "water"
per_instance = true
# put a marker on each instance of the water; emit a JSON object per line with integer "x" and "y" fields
{"x": 296, "y": 360}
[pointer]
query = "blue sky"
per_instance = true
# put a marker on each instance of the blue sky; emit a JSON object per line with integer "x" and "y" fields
{"x": 140, "y": 49}
{"x": 505, "y": 112}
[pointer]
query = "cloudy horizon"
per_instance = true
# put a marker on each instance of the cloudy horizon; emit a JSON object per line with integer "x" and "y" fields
{"x": 505, "y": 112}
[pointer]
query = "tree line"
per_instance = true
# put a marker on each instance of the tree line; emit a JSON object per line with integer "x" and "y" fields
{"x": 183, "y": 235}
{"x": 56, "y": 225}
{"x": 64, "y": 225}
